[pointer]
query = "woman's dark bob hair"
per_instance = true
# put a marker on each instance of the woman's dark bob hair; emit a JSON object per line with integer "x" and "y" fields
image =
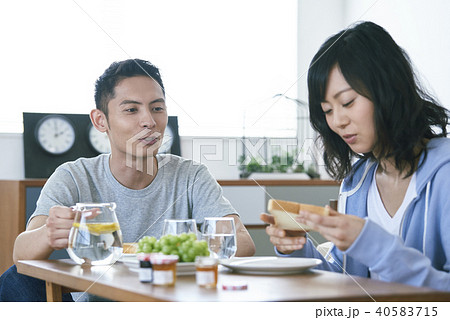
{"x": 377, "y": 68}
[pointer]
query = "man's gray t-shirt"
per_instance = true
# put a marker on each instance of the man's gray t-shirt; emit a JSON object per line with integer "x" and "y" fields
{"x": 182, "y": 189}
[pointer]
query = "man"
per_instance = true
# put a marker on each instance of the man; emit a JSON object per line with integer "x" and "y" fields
{"x": 147, "y": 187}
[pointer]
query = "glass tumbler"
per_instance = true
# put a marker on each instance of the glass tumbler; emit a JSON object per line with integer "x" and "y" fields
{"x": 220, "y": 234}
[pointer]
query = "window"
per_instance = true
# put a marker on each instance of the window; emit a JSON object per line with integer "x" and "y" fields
{"x": 222, "y": 63}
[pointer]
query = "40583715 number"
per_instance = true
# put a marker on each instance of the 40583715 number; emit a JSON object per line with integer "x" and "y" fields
{"x": 407, "y": 311}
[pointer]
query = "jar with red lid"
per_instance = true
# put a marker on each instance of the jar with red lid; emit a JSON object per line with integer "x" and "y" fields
{"x": 164, "y": 269}
{"x": 206, "y": 271}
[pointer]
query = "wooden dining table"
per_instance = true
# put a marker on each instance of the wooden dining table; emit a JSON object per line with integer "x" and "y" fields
{"x": 118, "y": 282}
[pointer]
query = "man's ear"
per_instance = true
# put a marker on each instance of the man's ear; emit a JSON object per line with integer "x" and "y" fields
{"x": 98, "y": 119}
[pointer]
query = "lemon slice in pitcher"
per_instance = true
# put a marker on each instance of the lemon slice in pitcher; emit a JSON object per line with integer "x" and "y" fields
{"x": 99, "y": 228}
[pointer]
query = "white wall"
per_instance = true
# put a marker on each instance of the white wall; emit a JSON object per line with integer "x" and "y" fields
{"x": 217, "y": 153}
{"x": 12, "y": 163}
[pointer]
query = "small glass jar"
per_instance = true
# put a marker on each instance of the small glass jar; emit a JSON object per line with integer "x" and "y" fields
{"x": 164, "y": 269}
{"x": 145, "y": 267}
{"x": 206, "y": 271}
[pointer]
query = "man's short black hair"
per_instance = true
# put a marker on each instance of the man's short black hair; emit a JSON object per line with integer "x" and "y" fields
{"x": 116, "y": 72}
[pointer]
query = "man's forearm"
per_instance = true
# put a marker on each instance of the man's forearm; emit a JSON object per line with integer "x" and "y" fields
{"x": 245, "y": 244}
{"x": 32, "y": 245}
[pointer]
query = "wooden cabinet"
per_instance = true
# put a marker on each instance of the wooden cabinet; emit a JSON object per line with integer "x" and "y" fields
{"x": 13, "y": 214}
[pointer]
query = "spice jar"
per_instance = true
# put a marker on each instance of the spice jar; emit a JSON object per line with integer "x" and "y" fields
{"x": 145, "y": 270}
{"x": 164, "y": 269}
{"x": 206, "y": 273}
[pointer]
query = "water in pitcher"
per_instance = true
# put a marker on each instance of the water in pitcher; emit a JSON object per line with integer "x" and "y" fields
{"x": 95, "y": 243}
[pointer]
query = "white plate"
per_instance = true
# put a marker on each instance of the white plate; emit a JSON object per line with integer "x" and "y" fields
{"x": 128, "y": 256}
{"x": 131, "y": 261}
{"x": 270, "y": 265}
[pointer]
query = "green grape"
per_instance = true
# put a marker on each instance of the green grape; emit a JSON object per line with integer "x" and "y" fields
{"x": 189, "y": 243}
{"x": 146, "y": 248}
{"x": 174, "y": 241}
{"x": 191, "y": 252}
{"x": 192, "y": 236}
{"x": 184, "y": 237}
{"x": 166, "y": 249}
{"x": 157, "y": 247}
{"x": 204, "y": 244}
{"x": 197, "y": 245}
{"x": 164, "y": 241}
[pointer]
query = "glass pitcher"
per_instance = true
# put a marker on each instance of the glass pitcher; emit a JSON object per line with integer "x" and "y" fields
{"x": 95, "y": 237}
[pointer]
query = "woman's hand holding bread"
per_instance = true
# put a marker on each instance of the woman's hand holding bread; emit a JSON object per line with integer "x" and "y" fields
{"x": 286, "y": 241}
{"x": 289, "y": 221}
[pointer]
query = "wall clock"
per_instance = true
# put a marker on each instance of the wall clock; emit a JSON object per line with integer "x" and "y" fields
{"x": 55, "y": 134}
{"x": 98, "y": 140}
{"x": 171, "y": 139}
{"x": 167, "y": 142}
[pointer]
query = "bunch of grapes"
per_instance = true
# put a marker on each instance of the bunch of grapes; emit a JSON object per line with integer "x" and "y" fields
{"x": 185, "y": 245}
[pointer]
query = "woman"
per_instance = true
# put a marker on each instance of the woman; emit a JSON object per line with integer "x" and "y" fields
{"x": 365, "y": 103}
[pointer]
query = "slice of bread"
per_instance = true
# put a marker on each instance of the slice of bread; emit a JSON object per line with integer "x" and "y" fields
{"x": 285, "y": 212}
{"x": 129, "y": 248}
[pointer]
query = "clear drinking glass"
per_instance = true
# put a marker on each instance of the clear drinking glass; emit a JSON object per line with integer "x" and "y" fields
{"x": 172, "y": 226}
{"x": 95, "y": 237}
{"x": 220, "y": 233}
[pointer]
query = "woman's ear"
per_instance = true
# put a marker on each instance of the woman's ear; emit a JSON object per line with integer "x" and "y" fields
{"x": 98, "y": 119}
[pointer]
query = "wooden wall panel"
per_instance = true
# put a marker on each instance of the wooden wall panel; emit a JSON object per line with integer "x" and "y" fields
{"x": 12, "y": 215}
{"x": 9, "y": 221}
